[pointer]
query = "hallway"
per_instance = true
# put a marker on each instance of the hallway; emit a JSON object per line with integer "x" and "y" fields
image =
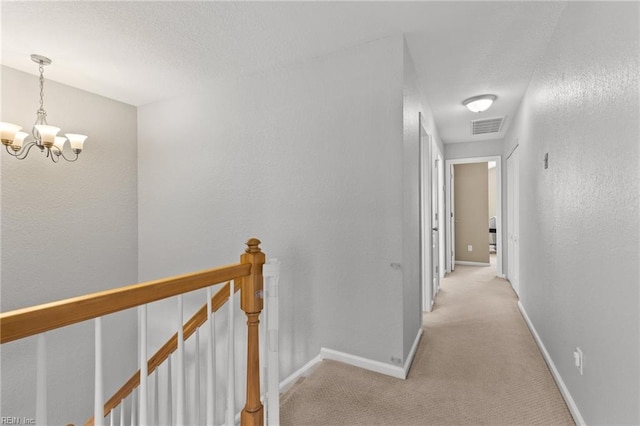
{"x": 476, "y": 364}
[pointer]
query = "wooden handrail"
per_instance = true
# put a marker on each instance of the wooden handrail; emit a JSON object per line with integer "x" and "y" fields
{"x": 199, "y": 318}
{"x": 33, "y": 320}
{"x": 26, "y": 322}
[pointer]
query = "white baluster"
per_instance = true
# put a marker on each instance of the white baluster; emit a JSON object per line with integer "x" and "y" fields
{"x": 230, "y": 421}
{"x": 211, "y": 363}
{"x": 41, "y": 381}
{"x": 98, "y": 398}
{"x": 272, "y": 270}
{"x": 169, "y": 401}
{"x": 142, "y": 396}
{"x": 134, "y": 410}
{"x": 180, "y": 391}
{"x": 122, "y": 413}
{"x": 155, "y": 410}
{"x": 196, "y": 385}
{"x": 112, "y": 415}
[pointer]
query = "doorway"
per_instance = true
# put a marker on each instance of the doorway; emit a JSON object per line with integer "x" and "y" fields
{"x": 450, "y": 213}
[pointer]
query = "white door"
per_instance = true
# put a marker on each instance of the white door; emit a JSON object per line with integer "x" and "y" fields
{"x": 424, "y": 186}
{"x": 435, "y": 223}
{"x": 441, "y": 216}
{"x": 513, "y": 218}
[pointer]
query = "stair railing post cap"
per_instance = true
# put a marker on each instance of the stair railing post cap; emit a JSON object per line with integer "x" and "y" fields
{"x": 253, "y": 245}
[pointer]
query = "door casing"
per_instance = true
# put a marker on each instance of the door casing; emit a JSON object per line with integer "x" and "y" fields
{"x": 450, "y": 209}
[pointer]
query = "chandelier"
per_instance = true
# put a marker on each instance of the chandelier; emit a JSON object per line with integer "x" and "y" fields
{"x": 44, "y": 137}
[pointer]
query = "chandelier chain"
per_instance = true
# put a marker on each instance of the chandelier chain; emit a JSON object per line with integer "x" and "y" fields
{"x": 41, "y": 68}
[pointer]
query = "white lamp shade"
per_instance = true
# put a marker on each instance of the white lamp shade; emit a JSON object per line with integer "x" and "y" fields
{"x": 47, "y": 133}
{"x": 479, "y": 103}
{"x": 59, "y": 142}
{"x": 19, "y": 138}
{"x": 76, "y": 141}
{"x": 8, "y": 130}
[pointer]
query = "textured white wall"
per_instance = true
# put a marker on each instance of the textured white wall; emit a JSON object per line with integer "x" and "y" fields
{"x": 454, "y": 151}
{"x": 579, "y": 219}
{"x": 308, "y": 159}
{"x": 414, "y": 104}
{"x": 67, "y": 229}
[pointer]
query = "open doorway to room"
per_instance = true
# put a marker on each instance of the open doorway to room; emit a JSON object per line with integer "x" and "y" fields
{"x": 473, "y": 212}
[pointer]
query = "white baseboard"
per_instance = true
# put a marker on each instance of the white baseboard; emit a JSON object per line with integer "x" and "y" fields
{"x": 573, "y": 408}
{"x": 305, "y": 370}
{"x": 412, "y": 353}
{"x": 372, "y": 365}
{"x": 368, "y": 364}
{"x": 464, "y": 262}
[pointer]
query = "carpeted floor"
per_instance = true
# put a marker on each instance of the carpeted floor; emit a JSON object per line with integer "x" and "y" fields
{"x": 477, "y": 364}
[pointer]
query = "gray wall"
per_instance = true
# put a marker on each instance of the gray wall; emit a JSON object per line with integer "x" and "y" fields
{"x": 309, "y": 160}
{"x": 68, "y": 229}
{"x": 414, "y": 104}
{"x": 579, "y": 219}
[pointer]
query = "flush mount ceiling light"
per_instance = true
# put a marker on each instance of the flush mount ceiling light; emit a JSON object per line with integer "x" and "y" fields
{"x": 479, "y": 103}
{"x": 44, "y": 136}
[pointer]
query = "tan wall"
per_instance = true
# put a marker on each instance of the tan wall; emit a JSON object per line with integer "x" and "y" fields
{"x": 472, "y": 211}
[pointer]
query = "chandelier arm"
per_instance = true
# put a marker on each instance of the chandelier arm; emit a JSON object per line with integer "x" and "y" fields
{"x": 67, "y": 159}
{"x": 22, "y": 154}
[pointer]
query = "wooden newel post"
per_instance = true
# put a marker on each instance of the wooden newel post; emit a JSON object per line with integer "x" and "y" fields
{"x": 251, "y": 302}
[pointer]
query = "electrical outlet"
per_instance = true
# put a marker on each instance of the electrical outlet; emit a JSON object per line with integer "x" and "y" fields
{"x": 469, "y": 247}
{"x": 578, "y": 361}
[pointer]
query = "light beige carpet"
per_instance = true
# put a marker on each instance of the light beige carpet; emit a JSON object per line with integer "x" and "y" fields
{"x": 477, "y": 364}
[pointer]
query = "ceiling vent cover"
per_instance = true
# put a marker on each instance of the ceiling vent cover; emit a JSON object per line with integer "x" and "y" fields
{"x": 488, "y": 125}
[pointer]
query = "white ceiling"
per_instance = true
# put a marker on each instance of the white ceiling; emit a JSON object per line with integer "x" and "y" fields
{"x": 141, "y": 52}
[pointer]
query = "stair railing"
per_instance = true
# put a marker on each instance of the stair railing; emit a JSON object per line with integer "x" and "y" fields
{"x": 246, "y": 277}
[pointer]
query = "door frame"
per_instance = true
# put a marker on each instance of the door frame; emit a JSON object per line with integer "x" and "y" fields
{"x": 424, "y": 189}
{"x": 449, "y": 195}
{"x": 436, "y": 216}
{"x": 513, "y": 219}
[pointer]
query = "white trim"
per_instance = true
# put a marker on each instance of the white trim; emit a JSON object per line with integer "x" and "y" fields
{"x": 412, "y": 353}
{"x": 573, "y": 408}
{"x": 499, "y": 228}
{"x": 367, "y": 364}
{"x": 303, "y": 371}
{"x": 372, "y": 365}
{"x": 464, "y": 262}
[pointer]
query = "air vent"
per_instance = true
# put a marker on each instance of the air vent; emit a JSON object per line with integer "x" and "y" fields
{"x": 488, "y": 125}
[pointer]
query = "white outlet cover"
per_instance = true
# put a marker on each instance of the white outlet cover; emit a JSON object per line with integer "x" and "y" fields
{"x": 469, "y": 247}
